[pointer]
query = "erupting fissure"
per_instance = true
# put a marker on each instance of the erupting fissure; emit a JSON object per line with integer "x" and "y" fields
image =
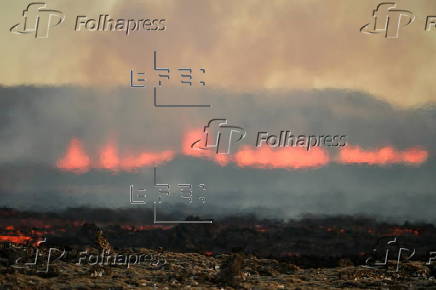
{"x": 77, "y": 160}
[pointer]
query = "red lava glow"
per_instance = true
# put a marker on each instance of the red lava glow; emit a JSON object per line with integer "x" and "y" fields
{"x": 403, "y": 231}
{"x": 382, "y": 156}
{"x": 15, "y": 239}
{"x": 264, "y": 157}
{"x": 193, "y": 135}
{"x": 288, "y": 157}
{"x": 145, "y": 159}
{"x": 299, "y": 158}
{"x": 261, "y": 229}
{"x": 333, "y": 230}
{"x": 190, "y": 137}
{"x": 108, "y": 157}
{"x": 75, "y": 158}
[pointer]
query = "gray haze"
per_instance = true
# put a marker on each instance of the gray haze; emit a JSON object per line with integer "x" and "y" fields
{"x": 37, "y": 124}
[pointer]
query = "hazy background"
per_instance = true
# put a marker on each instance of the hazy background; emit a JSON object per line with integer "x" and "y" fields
{"x": 281, "y": 65}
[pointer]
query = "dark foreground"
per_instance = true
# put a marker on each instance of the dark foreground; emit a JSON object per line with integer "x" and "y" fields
{"x": 115, "y": 250}
{"x": 169, "y": 270}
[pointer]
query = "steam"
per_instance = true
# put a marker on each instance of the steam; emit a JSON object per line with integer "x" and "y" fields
{"x": 114, "y": 138}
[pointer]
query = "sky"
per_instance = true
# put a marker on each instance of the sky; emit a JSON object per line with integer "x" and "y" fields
{"x": 245, "y": 45}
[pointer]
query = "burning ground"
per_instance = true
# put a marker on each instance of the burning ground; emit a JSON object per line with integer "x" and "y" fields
{"x": 234, "y": 252}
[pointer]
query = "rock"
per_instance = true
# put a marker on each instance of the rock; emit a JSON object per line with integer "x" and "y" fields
{"x": 195, "y": 271}
{"x": 231, "y": 273}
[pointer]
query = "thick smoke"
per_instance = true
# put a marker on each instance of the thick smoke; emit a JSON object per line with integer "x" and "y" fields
{"x": 38, "y": 124}
{"x": 244, "y": 44}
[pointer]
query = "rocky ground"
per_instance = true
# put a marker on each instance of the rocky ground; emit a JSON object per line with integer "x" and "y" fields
{"x": 309, "y": 254}
{"x": 169, "y": 270}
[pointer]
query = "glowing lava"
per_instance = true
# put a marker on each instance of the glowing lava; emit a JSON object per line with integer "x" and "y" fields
{"x": 288, "y": 157}
{"x": 193, "y": 135}
{"x": 15, "y": 239}
{"x": 108, "y": 157}
{"x": 75, "y": 158}
{"x": 382, "y": 156}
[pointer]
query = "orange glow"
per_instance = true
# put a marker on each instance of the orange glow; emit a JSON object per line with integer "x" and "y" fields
{"x": 298, "y": 157}
{"x": 146, "y": 159}
{"x": 288, "y": 157}
{"x": 75, "y": 158}
{"x": 77, "y": 161}
{"x": 108, "y": 157}
{"x": 193, "y": 135}
{"x": 261, "y": 229}
{"x": 15, "y": 239}
{"x": 415, "y": 156}
{"x": 190, "y": 137}
{"x": 404, "y": 231}
{"x": 382, "y": 156}
{"x": 222, "y": 159}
